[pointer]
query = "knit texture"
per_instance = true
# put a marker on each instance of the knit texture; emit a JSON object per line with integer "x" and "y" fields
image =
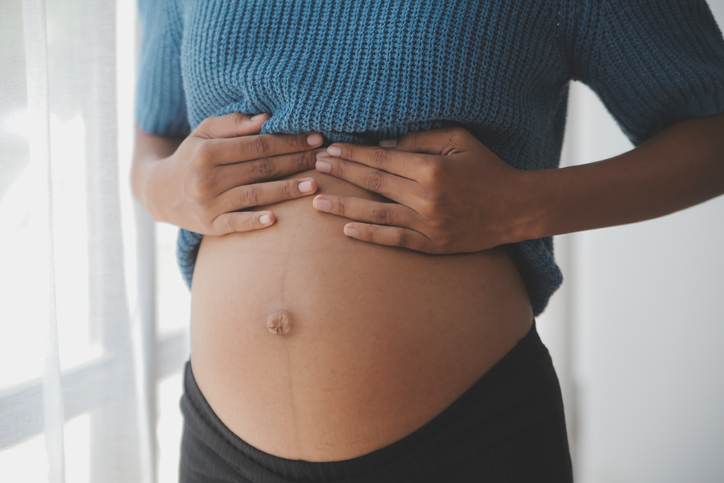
{"x": 364, "y": 70}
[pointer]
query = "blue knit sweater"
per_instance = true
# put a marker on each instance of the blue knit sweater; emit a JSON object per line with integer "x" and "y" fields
{"x": 365, "y": 70}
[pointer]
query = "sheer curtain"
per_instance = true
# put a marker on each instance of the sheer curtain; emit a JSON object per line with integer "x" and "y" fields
{"x": 78, "y": 351}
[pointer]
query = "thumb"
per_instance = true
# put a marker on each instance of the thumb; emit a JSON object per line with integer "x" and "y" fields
{"x": 428, "y": 142}
{"x": 231, "y": 125}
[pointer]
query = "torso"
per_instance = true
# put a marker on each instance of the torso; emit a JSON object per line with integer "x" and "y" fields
{"x": 381, "y": 339}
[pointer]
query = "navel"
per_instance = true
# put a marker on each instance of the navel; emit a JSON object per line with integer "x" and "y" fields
{"x": 279, "y": 322}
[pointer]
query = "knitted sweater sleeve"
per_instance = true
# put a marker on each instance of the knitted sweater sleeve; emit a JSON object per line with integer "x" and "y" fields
{"x": 160, "y": 99}
{"x": 651, "y": 62}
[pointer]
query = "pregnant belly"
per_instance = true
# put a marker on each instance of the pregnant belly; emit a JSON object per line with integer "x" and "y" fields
{"x": 380, "y": 339}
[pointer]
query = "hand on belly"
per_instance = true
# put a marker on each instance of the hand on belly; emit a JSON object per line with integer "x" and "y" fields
{"x": 311, "y": 345}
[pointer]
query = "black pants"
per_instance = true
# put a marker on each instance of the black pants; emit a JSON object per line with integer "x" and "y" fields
{"x": 508, "y": 427}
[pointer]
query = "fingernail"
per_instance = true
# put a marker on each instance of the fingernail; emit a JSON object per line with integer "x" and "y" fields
{"x": 265, "y": 219}
{"x": 351, "y": 231}
{"x": 388, "y": 143}
{"x": 322, "y": 204}
{"x": 334, "y": 150}
{"x": 323, "y": 166}
{"x": 315, "y": 138}
{"x": 320, "y": 154}
{"x": 305, "y": 186}
{"x": 257, "y": 117}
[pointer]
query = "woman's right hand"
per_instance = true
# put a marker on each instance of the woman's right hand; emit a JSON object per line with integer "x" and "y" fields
{"x": 217, "y": 169}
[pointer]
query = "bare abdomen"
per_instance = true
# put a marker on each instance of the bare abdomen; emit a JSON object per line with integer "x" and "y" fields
{"x": 311, "y": 345}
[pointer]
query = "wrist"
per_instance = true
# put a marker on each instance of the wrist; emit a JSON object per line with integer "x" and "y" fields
{"x": 150, "y": 174}
{"x": 529, "y": 216}
{"x": 144, "y": 180}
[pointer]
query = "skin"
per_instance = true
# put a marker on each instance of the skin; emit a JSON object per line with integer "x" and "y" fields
{"x": 199, "y": 182}
{"x": 454, "y": 195}
{"x": 279, "y": 322}
{"x": 368, "y": 328}
{"x": 440, "y": 207}
{"x": 312, "y": 313}
{"x": 382, "y": 339}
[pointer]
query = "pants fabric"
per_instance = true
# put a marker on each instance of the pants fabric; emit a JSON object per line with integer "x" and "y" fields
{"x": 508, "y": 427}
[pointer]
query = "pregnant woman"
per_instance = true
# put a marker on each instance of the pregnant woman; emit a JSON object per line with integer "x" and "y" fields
{"x": 367, "y": 191}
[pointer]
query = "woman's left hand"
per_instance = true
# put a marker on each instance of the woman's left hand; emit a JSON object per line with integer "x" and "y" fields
{"x": 452, "y": 194}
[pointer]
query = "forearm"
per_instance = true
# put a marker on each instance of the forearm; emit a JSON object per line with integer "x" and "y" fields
{"x": 148, "y": 149}
{"x": 679, "y": 167}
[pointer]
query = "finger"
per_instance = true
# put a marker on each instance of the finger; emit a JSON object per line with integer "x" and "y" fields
{"x": 390, "y": 235}
{"x": 241, "y": 221}
{"x": 446, "y": 140}
{"x": 230, "y": 125}
{"x": 260, "y": 194}
{"x": 405, "y": 164}
{"x": 246, "y": 148}
{"x": 247, "y": 172}
{"x": 367, "y": 210}
{"x": 404, "y": 191}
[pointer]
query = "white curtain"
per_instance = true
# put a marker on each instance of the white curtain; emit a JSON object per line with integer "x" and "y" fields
{"x": 76, "y": 372}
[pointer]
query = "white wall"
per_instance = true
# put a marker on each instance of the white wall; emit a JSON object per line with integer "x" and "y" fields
{"x": 637, "y": 332}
